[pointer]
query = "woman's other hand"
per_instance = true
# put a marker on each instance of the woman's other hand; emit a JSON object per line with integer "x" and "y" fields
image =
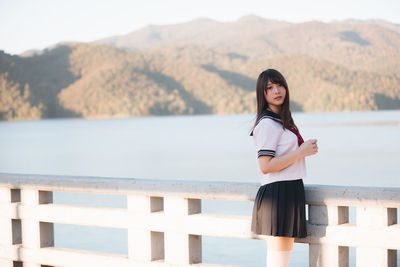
{"x": 308, "y": 148}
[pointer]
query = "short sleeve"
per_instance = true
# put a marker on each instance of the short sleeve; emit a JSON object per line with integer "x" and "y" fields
{"x": 266, "y": 137}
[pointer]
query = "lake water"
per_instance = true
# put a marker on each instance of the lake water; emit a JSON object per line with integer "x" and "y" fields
{"x": 355, "y": 148}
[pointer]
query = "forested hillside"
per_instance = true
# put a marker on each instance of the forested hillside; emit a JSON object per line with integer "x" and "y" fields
{"x": 206, "y": 67}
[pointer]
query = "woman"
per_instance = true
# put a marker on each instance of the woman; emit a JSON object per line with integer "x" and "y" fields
{"x": 279, "y": 206}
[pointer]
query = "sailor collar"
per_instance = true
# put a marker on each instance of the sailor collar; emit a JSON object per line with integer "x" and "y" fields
{"x": 267, "y": 114}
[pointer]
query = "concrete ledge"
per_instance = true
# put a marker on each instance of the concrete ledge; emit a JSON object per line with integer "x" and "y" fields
{"x": 77, "y": 258}
{"x": 200, "y": 224}
{"x": 315, "y": 194}
{"x": 126, "y": 186}
{"x": 165, "y": 224}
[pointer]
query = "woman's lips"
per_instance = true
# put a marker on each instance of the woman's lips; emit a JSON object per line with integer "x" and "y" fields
{"x": 278, "y": 98}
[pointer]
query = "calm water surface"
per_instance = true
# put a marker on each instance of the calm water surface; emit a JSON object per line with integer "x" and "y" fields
{"x": 355, "y": 148}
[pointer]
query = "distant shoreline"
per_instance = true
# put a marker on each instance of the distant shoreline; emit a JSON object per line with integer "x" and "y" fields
{"x": 390, "y": 122}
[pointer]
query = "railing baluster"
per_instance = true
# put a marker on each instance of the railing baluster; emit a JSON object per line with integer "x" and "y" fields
{"x": 6, "y": 239}
{"x": 327, "y": 254}
{"x": 375, "y": 217}
{"x": 144, "y": 245}
{"x": 180, "y": 247}
{"x": 35, "y": 234}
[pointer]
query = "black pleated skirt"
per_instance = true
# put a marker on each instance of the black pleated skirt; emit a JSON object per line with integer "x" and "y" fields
{"x": 279, "y": 210}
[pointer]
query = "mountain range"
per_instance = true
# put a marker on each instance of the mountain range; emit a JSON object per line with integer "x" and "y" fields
{"x": 206, "y": 67}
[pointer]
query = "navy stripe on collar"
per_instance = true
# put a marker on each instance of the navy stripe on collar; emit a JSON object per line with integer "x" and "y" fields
{"x": 267, "y": 114}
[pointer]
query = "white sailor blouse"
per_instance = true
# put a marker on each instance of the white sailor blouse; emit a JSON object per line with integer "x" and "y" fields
{"x": 270, "y": 139}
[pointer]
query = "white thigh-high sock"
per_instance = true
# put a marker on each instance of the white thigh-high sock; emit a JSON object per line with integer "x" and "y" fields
{"x": 277, "y": 258}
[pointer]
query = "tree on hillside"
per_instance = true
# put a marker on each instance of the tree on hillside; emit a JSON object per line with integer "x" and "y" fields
{"x": 14, "y": 104}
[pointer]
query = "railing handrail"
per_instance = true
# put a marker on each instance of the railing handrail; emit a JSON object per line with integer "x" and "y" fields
{"x": 222, "y": 190}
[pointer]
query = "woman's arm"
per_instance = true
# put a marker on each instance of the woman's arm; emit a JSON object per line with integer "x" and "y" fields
{"x": 273, "y": 164}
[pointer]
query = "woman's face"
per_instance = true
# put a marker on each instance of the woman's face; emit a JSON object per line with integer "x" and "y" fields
{"x": 275, "y": 95}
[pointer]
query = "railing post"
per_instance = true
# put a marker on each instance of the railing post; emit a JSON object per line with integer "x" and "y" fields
{"x": 144, "y": 245}
{"x": 373, "y": 217}
{"x": 182, "y": 248}
{"x": 5, "y": 225}
{"x": 327, "y": 254}
{"x": 36, "y": 234}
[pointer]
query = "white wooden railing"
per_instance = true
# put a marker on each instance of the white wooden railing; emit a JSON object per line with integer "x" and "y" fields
{"x": 165, "y": 223}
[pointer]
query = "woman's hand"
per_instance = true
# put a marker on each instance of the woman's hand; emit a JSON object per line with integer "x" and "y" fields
{"x": 308, "y": 148}
{"x": 273, "y": 164}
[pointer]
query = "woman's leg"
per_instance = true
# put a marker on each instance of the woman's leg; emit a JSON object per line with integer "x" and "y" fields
{"x": 280, "y": 243}
{"x": 279, "y": 250}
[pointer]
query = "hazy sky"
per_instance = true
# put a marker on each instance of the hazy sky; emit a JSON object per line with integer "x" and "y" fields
{"x": 36, "y": 24}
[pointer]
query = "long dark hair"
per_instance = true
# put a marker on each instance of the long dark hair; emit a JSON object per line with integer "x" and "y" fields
{"x": 273, "y": 76}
